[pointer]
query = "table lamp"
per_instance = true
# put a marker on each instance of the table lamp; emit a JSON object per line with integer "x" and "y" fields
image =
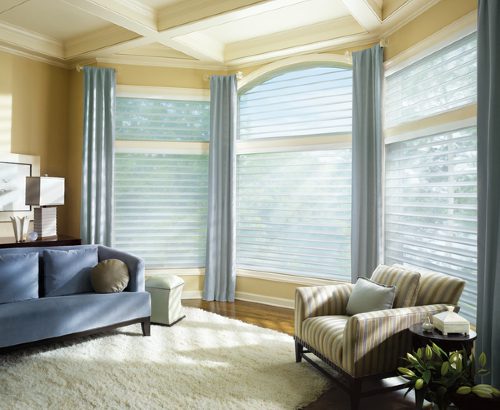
{"x": 45, "y": 193}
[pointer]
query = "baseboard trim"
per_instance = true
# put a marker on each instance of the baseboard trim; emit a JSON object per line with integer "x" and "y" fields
{"x": 247, "y": 297}
{"x": 266, "y": 300}
{"x": 192, "y": 294}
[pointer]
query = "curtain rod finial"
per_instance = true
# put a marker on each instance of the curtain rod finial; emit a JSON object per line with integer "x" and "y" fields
{"x": 384, "y": 42}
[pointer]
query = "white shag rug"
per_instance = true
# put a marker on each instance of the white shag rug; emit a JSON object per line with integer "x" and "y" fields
{"x": 206, "y": 361}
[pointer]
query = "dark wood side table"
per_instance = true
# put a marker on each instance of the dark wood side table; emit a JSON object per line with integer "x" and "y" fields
{"x": 448, "y": 343}
{"x": 59, "y": 240}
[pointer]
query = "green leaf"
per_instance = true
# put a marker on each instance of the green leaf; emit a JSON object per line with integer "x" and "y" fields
{"x": 426, "y": 376}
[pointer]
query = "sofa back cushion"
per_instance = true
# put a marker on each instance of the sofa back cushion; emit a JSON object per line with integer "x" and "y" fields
{"x": 68, "y": 272}
{"x": 406, "y": 282}
{"x": 18, "y": 277}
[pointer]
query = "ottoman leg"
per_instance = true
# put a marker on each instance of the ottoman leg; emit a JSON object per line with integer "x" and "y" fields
{"x": 146, "y": 327}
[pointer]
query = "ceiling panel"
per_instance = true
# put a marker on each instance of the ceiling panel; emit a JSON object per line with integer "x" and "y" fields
{"x": 159, "y": 4}
{"x": 8, "y": 4}
{"x": 52, "y": 18}
{"x": 286, "y": 18}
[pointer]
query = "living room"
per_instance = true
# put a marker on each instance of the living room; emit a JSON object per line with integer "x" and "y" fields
{"x": 251, "y": 162}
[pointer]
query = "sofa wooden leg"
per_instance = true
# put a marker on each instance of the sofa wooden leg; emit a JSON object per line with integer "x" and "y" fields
{"x": 146, "y": 327}
{"x": 355, "y": 395}
{"x": 298, "y": 352}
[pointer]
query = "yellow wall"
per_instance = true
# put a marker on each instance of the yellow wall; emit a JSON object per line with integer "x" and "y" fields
{"x": 45, "y": 117}
{"x": 34, "y": 117}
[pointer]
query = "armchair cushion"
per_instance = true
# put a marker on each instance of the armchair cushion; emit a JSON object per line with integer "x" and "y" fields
{"x": 315, "y": 301}
{"x": 406, "y": 282}
{"x": 326, "y": 335}
{"x": 367, "y": 296}
{"x": 374, "y": 342}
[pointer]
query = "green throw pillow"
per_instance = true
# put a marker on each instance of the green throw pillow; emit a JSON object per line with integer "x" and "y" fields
{"x": 109, "y": 276}
{"x": 368, "y": 296}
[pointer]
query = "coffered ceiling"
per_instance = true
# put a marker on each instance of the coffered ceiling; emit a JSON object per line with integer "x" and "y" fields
{"x": 194, "y": 33}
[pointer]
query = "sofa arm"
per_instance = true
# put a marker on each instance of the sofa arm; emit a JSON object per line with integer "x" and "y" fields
{"x": 374, "y": 342}
{"x": 135, "y": 266}
{"x": 320, "y": 301}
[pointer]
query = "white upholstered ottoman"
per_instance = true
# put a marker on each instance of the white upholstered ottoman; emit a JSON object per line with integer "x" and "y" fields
{"x": 166, "y": 291}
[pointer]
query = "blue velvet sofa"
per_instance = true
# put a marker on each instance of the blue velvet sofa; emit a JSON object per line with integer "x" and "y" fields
{"x": 46, "y": 293}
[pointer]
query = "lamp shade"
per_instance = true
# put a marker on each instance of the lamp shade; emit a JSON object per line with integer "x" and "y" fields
{"x": 44, "y": 191}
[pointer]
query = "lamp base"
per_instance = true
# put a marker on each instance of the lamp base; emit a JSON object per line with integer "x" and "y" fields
{"x": 45, "y": 223}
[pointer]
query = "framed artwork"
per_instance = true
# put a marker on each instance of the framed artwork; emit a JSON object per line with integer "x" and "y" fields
{"x": 14, "y": 168}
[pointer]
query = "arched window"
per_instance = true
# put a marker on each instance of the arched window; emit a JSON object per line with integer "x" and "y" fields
{"x": 294, "y": 173}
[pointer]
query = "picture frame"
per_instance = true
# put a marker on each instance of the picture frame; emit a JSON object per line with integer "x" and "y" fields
{"x": 14, "y": 168}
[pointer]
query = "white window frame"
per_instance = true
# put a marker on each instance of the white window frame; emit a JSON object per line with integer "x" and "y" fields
{"x": 333, "y": 141}
{"x": 164, "y": 147}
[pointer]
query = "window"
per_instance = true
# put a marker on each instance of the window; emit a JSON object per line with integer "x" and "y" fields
{"x": 431, "y": 177}
{"x": 161, "y": 180}
{"x": 294, "y": 174}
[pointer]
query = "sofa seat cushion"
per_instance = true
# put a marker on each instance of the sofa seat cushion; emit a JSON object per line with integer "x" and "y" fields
{"x": 326, "y": 335}
{"x": 37, "y": 319}
{"x": 18, "y": 277}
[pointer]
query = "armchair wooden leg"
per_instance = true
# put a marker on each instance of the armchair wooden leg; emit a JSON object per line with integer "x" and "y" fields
{"x": 355, "y": 394}
{"x": 146, "y": 327}
{"x": 299, "y": 349}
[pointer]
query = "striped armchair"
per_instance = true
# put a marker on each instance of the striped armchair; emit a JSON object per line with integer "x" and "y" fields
{"x": 368, "y": 345}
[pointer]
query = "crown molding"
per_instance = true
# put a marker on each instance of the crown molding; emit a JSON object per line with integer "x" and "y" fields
{"x": 32, "y": 56}
{"x": 302, "y": 36}
{"x": 405, "y": 14}
{"x": 161, "y": 62}
{"x": 30, "y": 41}
{"x": 344, "y": 42}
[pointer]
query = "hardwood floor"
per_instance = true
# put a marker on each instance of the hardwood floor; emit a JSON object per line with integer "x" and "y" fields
{"x": 281, "y": 319}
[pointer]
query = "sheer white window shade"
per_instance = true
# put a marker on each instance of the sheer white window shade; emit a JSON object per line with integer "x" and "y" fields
{"x": 431, "y": 209}
{"x": 161, "y": 208}
{"x": 442, "y": 81}
{"x": 165, "y": 120}
{"x": 309, "y": 101}
{"x": 294, "y": 211}
{"x": 160, "y": 193}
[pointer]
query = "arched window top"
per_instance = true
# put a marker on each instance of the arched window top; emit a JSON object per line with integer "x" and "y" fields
{"x": 301, "y": 101}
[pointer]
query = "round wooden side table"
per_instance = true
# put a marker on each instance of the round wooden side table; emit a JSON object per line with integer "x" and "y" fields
{"x": 448, "y": 343}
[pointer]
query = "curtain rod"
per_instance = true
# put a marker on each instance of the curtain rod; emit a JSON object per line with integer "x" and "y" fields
{"x": 239, "y": 76}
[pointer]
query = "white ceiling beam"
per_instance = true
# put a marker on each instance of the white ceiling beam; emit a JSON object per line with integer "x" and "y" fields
{"x": 30, "y": 41}
{"x": 96, "y": 41}
{"x": 367, "y": 13}
{"x": 199, "y": 46}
